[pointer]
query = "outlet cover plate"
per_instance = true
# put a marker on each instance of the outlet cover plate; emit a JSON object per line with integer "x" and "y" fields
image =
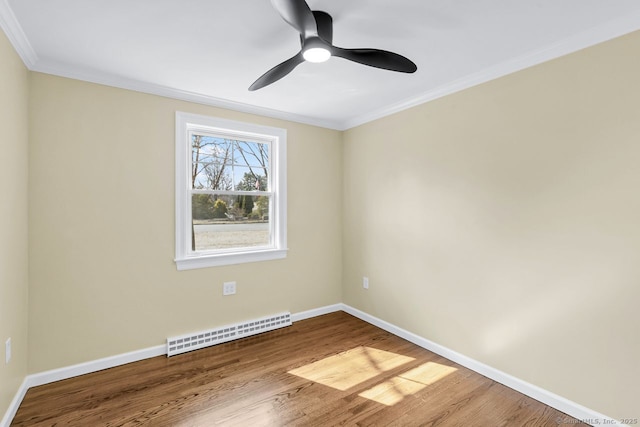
{"x": 7, "y": 351}
{"x": 228, "y": 288}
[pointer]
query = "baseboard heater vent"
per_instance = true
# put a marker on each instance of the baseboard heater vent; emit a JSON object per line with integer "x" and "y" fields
{"x": 196, "y": 340}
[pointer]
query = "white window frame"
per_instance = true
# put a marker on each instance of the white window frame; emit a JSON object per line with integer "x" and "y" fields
{"x": 187, "y": 259}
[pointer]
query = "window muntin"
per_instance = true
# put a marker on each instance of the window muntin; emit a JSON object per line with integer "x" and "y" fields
{"x": 230, "y": 192}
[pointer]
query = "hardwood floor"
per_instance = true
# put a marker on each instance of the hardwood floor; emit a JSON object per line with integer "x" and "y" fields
{"x": 329, "y": 370}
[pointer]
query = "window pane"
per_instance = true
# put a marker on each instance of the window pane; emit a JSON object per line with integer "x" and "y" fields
{"x": 224, "y": 164}
{"x": 209, "y": 149}
{"x": 223, "y": 222}
{"x": 250, "y": 167}
{"x": 212, "y": 176}
{"x": 252, "y": 154}
{"x": 249, "y": 179}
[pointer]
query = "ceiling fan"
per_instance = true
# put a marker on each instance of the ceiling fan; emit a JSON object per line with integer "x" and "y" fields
{"x": 316, "y": 38}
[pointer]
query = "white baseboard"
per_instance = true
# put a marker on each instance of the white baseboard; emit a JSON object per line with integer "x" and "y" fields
{"x": 560, "y": 403}
{"x": 14, "y": 405}
{"x": 296, "y": 317}
{"x": 573, "y": 409}
{"x": 53, "y": 375}
{"x": 134, "y": 356}
{"x": 94, "y": 366}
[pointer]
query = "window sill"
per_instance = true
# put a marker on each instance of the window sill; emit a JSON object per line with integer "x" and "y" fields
{"x": 229, "y": 259}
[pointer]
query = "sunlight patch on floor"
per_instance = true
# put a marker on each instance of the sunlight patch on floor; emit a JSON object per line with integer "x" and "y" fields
{"x": 352, "y": 367}
{"x": 397, "y": 388}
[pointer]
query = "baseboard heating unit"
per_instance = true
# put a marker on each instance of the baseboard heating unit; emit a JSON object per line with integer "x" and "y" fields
{"x": 202, "y": 339}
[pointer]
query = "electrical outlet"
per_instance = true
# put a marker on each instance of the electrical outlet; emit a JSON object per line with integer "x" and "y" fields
{"x": 7, "y": 351}
{"x": 228, "y": 288}
{"x": 365, "y": 282}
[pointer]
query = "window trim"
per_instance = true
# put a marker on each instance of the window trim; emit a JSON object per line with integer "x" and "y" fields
{"x": 185, "y": 259}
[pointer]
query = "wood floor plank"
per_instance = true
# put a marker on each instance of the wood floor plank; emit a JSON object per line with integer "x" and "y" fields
{"x": 329, "y": 370}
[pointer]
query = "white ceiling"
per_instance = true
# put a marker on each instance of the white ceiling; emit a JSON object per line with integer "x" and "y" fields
{"x": 210, "y": 51}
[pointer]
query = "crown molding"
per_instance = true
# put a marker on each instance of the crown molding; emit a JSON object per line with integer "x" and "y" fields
{"x": 12, "y": 28}
{"x": 99, "y": 77}
{"x": 583, "y": 40}
{"x": 610, "y": 30}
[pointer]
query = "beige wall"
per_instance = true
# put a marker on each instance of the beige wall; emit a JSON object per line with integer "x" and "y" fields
{"x": 102, "y": 276}
{"x": 503, "y": 222}
{"x": 14, "y": 89}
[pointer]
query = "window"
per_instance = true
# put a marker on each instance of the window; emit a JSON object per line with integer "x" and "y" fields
{"x": 230, "y": 192}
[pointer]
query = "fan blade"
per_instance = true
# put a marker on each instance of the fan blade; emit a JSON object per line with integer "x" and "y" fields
{"x": 376, "y": 58}
{"x": 277, "y": 72}
{"x": 298, "y": 15}
{"x": 324, "y": 21}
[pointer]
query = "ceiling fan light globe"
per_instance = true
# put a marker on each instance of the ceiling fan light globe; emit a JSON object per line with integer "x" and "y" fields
{"x": 316, "y": 54}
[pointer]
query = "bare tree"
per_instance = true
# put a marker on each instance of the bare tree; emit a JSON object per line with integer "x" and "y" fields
{"x": 259, "y": 152}
{"x": 210, "y": 156}
{"x": 216, "y": 177}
